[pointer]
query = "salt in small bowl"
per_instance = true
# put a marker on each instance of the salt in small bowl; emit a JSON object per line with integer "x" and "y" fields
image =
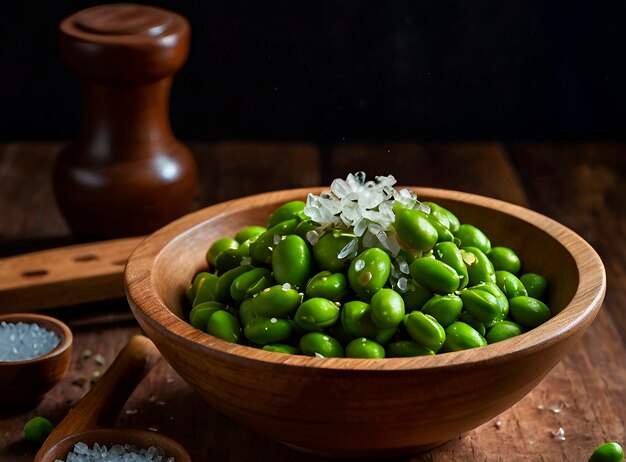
{"x": 24, "y": 383}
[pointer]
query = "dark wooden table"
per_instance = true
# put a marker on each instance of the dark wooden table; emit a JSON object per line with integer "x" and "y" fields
{"x": 581, "y": 185}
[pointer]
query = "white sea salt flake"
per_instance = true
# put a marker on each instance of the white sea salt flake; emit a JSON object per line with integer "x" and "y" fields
{"x": 318, "y": 355}
{"x": 403, "y": 266}
{"x": 359, "y": 264}
{"x": 99, "y": 359}
{"x": 349, "y": 250}
{"x": 402, "y": 283}
{"x": 285, "y": 287}
{"x": 559, "y": 435}
{"x": 540, "y": 407}
{"x": 498, "y": 424}
{"x": 116, "y": 453}
{"x": 273, "y": 320}
{"x": 557, "y": 408}
{"x": 276, "y": 239}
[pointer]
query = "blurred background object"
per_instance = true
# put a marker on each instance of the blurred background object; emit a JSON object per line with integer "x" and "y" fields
{"x": 331, "y": 71}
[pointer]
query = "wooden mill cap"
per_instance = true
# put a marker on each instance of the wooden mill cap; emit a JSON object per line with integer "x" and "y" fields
{"x": 124, "y": 43}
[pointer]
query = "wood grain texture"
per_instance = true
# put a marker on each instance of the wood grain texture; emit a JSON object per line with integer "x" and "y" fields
{"x": 590, "y": 379}
{"x": 255, "y": 387}
{"x": 64, "y": 276}
{"x": 87, "y": 422}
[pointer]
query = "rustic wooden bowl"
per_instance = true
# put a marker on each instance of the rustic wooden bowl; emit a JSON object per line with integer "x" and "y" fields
{"x": 24, "y": 383}
{"x": 364, "y": 407}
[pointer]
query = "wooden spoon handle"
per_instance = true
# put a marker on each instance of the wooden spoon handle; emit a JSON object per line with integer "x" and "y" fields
{"x": 100, "y": 407}
{"x": 64, "y": 276}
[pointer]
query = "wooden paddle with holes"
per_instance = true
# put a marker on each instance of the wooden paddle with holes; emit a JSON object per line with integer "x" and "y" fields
{"x": 65, "y": 276}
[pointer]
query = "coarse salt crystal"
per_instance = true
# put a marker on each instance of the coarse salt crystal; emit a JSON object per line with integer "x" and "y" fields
{"x": 21, "y": 341}
{"x": 559, "y": 435}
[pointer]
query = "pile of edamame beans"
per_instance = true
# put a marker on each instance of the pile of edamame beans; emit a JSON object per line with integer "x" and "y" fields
{"x": 446, "y": 290}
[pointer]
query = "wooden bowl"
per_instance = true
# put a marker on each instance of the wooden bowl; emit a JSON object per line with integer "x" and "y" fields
{"x": 24, "y": 383}
{"x": 364, "y": 407}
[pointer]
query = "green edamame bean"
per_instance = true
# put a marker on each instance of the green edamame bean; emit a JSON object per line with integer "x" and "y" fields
{"x": 222, "y": 286}
{"x": 327, "y": 249}
{"x": 364, "y": 348}
{"x": 241, "y": 284}
{"x": 414, "y": 228}
{"x": 244, "y": 248}
{"x": 37, "y": 429}
{"x": 454, "y": 223}
{"x": 200, "y": 314}
{"x": 249, "y": 232}
{"x": 387, "y": 308}
{"x": 443, "y": 233}
{"x": 473, "y": 322}
{"x": 450, "y": 254}
{"x": 425, "y": 330}
{"x": 406, "y": 349}
{"x": 529, "y": 312}
{"x": 471, "y": 236}
{"x": 510, "y": 285}
{"x": 461, "y": 336}
{"x": 219, "y": 246}
{"x": 608, "y": 452}
{"x": 504, "y": 259}
{"x": 325, "y": 284}
{"x": 494, "y": 290}
{"x": 246, "y": 311}
{"x": 192, "y": 288}
{"x": 277, "y": 301}
{"x": 285, "y": 212}
{"x": 434, "y": 275}
{"x": 503, "y": 330}
{"x": 444, "y": 308}
{"x": 206, "y": 290}
{"x": 320, "y": 344}
{"x": 263, "y": 331}
{"x": 261, "y": 249}
{"x": 368, "y": 273}
{"x": 316, "y": 314}
{"x": 356, "y": 318}
{"x": 438, "y": 213}
{"x": 265, "y": 282}
{"x": 282, "y": 348}
{"x": 291, "y": 261}
{"x": 415, "y": 296}
{"x": 224, "y": 325}
{"x": 482, "y": 305}
{"x": 227, "y": 260}
{"x": 479, "y": 267}
{"x": 536, "y": 285}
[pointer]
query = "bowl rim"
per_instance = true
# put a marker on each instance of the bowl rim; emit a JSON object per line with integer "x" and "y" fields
{"x": 44, "y": 321}
{"x": 576, "y": 315}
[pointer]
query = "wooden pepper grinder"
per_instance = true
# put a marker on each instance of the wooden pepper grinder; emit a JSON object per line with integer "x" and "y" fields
{"x": 126, "y": 174}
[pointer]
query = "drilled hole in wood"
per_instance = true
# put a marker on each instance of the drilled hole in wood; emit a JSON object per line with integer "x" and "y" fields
{"x": 119, "y": 262}
{"x": 35, "y": 273}
{"x": 83, "y": 258}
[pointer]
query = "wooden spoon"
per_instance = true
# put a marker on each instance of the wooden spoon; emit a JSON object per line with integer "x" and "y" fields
{"x": 99, "y": 408}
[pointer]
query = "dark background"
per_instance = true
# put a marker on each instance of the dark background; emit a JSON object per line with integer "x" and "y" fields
{"x": 331, "y": 70}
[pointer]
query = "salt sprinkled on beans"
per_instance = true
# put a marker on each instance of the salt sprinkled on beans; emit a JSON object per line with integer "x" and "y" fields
{"x": 359, "y": 265}
{"x": 286, "y": 286}
{"x": 22, "y": 341}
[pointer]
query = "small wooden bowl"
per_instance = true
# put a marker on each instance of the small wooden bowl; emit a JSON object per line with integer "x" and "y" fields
{"x": 24, "y": 383}
{"x": 364, "y": 407}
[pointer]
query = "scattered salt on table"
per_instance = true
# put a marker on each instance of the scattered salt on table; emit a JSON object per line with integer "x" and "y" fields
{"x": 22, "y": 341}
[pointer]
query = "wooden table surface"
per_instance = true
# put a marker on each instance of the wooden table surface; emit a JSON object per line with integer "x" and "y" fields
{"x": 581, "y": 185}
